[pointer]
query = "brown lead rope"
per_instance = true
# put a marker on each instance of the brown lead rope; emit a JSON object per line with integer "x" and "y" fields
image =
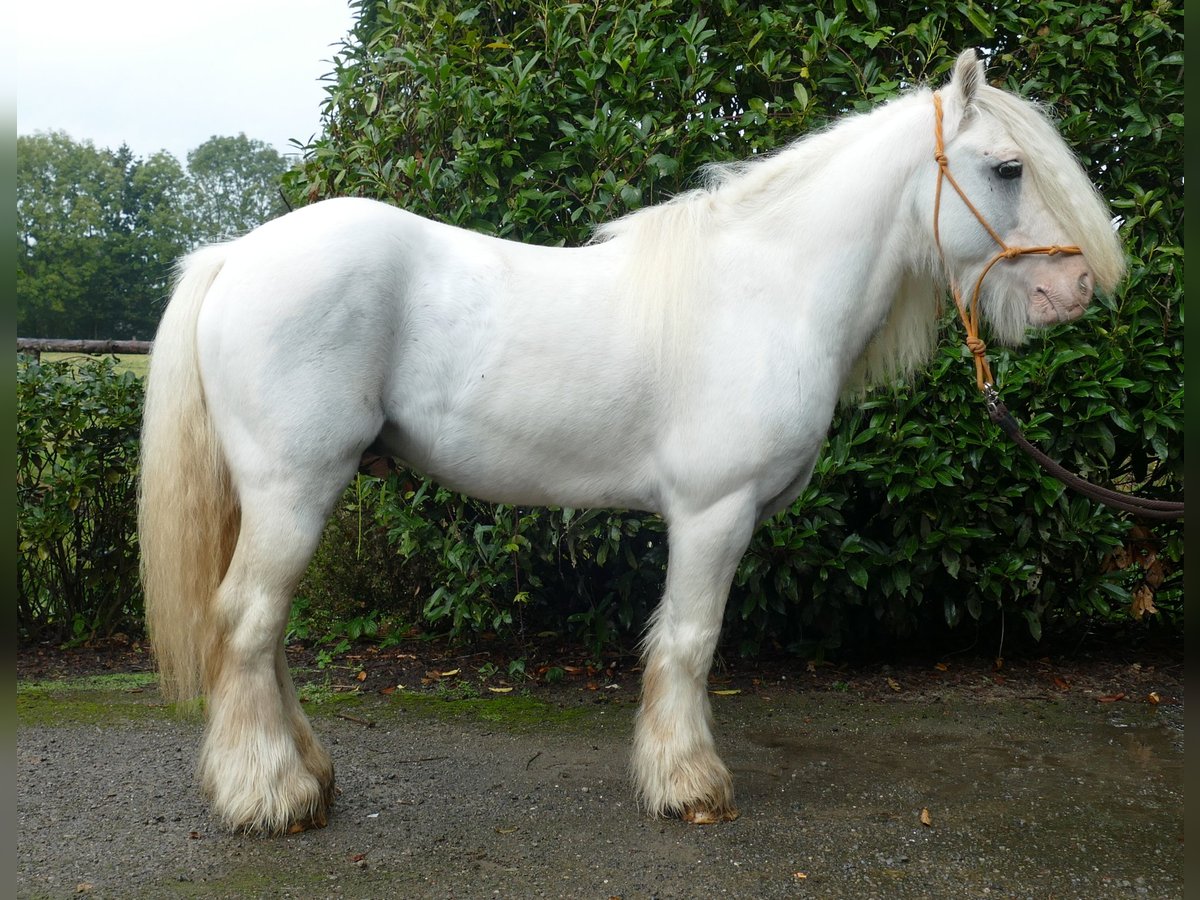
{"x": 1127, "y": 502}
{"x": 1130, "y": 503}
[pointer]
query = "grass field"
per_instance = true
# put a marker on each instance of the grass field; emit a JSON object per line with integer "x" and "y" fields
{"x": 132, "y": 362}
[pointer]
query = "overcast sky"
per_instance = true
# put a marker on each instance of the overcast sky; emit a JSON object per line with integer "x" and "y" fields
{"x": 168, "y": 75}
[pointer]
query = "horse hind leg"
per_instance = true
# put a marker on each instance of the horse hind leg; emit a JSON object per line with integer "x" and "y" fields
{"x": 313, "y": 754}
{"x": 675, "y": 762}
{"x": 261, "y": 765}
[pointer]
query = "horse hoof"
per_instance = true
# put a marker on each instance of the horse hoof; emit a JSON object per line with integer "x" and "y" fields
{"x": 702, "y": 815}
{"x": 314, "y": 822}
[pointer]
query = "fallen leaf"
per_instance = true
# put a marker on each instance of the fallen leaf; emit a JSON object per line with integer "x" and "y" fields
{"x": 926, "y": 818}
{"x": 893, "y": 684}
{"x": 362, "y": 675}
{"x": 1061, "y": 684}
{"x": 500, "y": 690}
{"x": 1111, "y": 698}
{"x": 1143, "y": 602}
{"x": 728, "y": 692}
{"x": 357, "y": 857}
{"x": 1153, "y": 697}
{"x": 799, "y": 876}
{"x": 941, "y": 667}
{"x": 449, "y": 673}
{"x": 195, "y": 835}
{"x": 506, "y": 830}
{"x": 998, "y": 664}
{"x": 1118, "y": 559}
{"x": 1142, "y": 545}
{"x": 84, "y": 887}
{"x": 1155, "y": 573}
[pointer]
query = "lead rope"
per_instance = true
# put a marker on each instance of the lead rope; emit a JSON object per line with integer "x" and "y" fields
{"x": 969, "y": 315}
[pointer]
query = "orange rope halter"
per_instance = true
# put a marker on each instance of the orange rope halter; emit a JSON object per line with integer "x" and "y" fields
{"x": 970, "y": 316}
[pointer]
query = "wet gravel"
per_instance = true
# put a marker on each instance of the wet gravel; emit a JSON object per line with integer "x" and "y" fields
{"x": 1027, "y": 794}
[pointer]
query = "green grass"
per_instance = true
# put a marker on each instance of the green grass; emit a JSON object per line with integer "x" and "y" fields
{"x": 137, "y": 363}
{"x": 97, "y": 699}
{"x": 126, "y": 697}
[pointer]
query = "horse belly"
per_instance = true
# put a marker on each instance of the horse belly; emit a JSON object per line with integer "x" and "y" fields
{"x": 532, "y": 436}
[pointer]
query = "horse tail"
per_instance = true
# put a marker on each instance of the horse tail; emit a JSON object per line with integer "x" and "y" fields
{"x": 188, "y": 515}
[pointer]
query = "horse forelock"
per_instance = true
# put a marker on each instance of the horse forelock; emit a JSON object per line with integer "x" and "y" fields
{"x": 1054, "y": 171}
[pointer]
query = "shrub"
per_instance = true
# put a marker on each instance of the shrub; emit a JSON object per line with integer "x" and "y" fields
{"x": 356, "y": 584}
{"x": 77, "y": 448}
{"x": 453, "y": 564}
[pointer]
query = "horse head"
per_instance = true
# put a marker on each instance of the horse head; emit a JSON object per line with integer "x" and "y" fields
{"x": 1020, "y": 228}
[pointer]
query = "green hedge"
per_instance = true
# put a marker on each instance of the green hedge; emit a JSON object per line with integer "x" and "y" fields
{"x": 78, "y": 425}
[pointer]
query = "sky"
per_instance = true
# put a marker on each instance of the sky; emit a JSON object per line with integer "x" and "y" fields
{"x": 168, "y": 75}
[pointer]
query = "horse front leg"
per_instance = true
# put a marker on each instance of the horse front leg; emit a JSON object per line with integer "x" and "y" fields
{"x": 675, "y": 762}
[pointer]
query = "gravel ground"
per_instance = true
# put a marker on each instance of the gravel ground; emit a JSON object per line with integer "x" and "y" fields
{"x": 1029, "y": 791}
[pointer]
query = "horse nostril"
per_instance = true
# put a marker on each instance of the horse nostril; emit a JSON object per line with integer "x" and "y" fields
{"x": 1084, "y": 284}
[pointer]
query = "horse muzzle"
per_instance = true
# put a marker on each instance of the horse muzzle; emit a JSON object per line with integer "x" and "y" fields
{"x": 1063, "y": 287}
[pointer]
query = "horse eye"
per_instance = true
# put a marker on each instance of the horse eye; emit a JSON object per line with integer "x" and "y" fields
{"x": 1009, "y": 170}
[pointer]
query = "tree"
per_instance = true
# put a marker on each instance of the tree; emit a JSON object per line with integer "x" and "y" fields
{"x": 235, "y": 185}
{"x": 62, "y": 190}
{"x": 97, "y": 233}
{"x": 99, "y": 230}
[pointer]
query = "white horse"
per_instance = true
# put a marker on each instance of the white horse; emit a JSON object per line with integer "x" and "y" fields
{"x": 686, "y": 363}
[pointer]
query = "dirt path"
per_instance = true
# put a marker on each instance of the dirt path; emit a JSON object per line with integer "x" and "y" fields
{"x": 1030, "y": 792}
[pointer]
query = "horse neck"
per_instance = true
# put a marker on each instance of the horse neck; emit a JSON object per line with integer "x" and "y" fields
{"x": 820, "y": 236}
{"x": 847, "y": 210}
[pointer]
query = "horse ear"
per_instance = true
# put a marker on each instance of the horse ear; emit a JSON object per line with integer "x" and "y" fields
{"x": 968, "y": 75}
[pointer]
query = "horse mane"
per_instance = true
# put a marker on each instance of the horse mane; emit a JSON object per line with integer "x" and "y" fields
{"x": 670, "y": 242}
{"x": 670, "y": 247}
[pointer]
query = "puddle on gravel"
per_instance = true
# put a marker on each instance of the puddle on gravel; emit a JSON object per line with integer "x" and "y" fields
{"x": 1023, "y": 785}
{"x": 960, "y": 746}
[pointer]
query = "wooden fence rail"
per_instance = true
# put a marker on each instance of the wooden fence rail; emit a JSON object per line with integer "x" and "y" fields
{"x": 35, "y": 347}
